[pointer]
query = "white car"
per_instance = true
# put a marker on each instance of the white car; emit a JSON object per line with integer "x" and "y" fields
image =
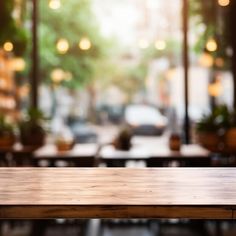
{"x": 145, "y": 120}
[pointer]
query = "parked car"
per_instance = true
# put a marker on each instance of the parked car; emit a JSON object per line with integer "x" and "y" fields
{"x": 82, "y": 131}
{"x": 145, "y": 120}
{"x": 113, "y": 114}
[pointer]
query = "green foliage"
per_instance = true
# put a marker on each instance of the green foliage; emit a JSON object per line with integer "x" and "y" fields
{"x": 31, "y": 130}
{"x": 35, "y": 115}
{"x": 32, "y": 125}
{"x": 73, "y": 21}
{"x": 215, "y": 19}
{"x": 5, "y": 127}
{"x": 207, "y": 124}
{"x": 173, "y": 49}
{"x": 10, "y": 30}
{"x": 218, "y": 119}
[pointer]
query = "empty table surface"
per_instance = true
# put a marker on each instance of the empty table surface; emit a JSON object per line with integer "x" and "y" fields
{"x": 137, "y": 152}
{"x": 142, "y": 152}
{"x": 207, "y": 193}
{"x": 188, "y": 151}
{"x": 79, "y": 150}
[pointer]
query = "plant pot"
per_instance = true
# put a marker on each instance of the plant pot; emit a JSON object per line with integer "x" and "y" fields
{"x": 123, "y": 144}
{"x": 7, "y": 140}
{"x": 63, "y": 146}
{"x": 123, "y": 140}
{"x": 32, "y": 135}
{"x": 174, "y": 142}
{"x": 210, "y": 141}
{"x": 230, "y": 140}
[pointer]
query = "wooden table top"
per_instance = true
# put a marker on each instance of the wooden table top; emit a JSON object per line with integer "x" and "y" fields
{"x": 206, "y": 193}
{"x": 79, "y": 150}
{"x": 142, "y": 152}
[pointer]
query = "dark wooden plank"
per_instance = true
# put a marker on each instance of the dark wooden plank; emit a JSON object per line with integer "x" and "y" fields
{"x": 114, "y": 212}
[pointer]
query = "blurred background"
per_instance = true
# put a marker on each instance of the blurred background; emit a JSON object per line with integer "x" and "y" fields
{"x": 92, "y": 68}
{"x": 103, "y": 63}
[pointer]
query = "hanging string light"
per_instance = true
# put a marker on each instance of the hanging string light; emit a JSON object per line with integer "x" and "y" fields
{"x": 57, "y": 75}
{"x": 215, "y": 89}
{"x": 18, "y": 64}
{"x": 85, "y": 44}
{"x": 8, "y": 46}
{"x": 211, "y": 45}
{"x": 206, "y": 59}
{"x": 160, "y": 45}
{"x": 223, "y": 3}
{"x": 63, "y": 46}
{"x": 54, "y": 4}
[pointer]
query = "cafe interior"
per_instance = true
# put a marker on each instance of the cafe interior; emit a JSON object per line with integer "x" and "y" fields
{"x": 117, "y": 117}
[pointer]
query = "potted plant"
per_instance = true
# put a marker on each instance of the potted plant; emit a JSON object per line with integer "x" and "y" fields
{"x": 211, "y": 128}
{"x": 7, "y": 136}
{"x": 175, "y": 142}
{"x": 230, "y": 135}
{"x": 31, "y": 130}
{"x": 123, "y": 139}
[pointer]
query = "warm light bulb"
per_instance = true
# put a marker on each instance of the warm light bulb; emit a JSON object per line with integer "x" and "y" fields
{"x": 62, "y": 46}
{"x": 54, "y": 4}
{"x": 85, "y": 44}
{"x": 8, "y": 46}
{"x": 143, "y": 43}
{"x": 57, "y": 75}
{"x": 18, "y": 64}
{"x": 223, "y": 3}
{"x": 211, "y": 45}
{"x": 215, "y": 89}
{"x": 170, "y": 74}
{"x": 24, "y": 90}
{"x": 206, "y": 60}
{"x": 160, "y": 45}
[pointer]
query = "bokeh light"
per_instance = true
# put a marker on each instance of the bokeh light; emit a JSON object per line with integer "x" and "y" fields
{"x": 8, "y": 46}
{"x": 160, "y": 45}
{"x": 211, "y": 45}
{"x": 223, "y": 3}
{"x": 63, "y": 46}
{"x": 85, "y": 44}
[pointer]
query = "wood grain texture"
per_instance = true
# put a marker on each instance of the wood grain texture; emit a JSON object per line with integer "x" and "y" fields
{"x": 117, "y": 193}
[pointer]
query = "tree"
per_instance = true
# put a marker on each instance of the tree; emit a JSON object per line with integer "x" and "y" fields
{"x": 11, "y": 28}
{"x": 216, "y": 20}
{"x": 73, "y": 21}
